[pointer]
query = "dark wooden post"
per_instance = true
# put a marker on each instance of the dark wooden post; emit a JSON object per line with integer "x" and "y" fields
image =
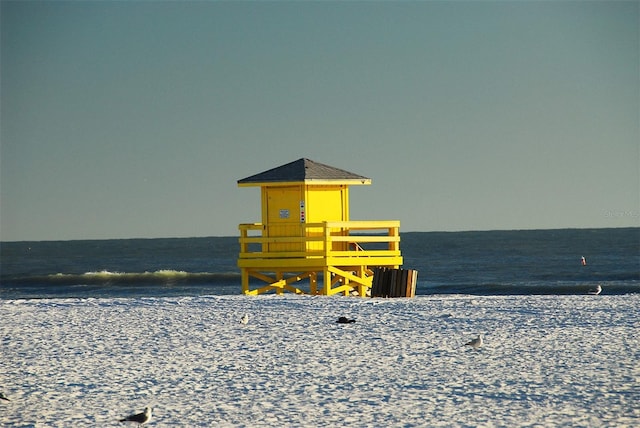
{"x": 394, "y": 282}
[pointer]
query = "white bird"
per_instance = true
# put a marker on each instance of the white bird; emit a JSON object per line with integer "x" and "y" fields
{"x": 244, "y": 319}
{"x": 139, "y": 418}
{"x": 475, "y": 343}
{"x": 596, "y": 291}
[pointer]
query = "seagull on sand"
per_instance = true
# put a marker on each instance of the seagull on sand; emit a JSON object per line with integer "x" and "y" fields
{"x": 475, "y": 343}
{"x": 244, "y": 319}
{"x": 4, "y": 397}
{"x": 139, "y": 418}
{"x": 596, "y": 291}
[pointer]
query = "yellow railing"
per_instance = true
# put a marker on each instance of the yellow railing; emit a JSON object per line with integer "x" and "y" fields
{"x": 322, "y": 240}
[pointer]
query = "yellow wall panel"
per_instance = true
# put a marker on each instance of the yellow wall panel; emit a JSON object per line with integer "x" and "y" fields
{"x": 325, "y": 203}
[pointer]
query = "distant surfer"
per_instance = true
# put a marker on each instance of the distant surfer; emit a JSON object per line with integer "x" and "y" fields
{"x": 596, "y": 291}
{"x": 584, "y": 261}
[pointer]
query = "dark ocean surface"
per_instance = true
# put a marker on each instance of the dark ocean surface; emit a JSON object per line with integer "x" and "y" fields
{"x": 477, "y": 263}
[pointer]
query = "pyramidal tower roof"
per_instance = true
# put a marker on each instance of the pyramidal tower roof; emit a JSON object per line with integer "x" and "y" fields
{"x": 305, "y": 171}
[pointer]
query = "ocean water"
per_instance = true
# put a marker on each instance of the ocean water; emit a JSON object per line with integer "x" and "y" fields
{"x": 524, "y": 262}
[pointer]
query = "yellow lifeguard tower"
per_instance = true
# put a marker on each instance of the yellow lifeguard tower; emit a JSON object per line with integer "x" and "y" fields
{"x": 306, "y": 233}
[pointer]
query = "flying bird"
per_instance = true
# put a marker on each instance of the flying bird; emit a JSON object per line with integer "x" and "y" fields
{"x": 596, "y": 291}
{"x": 475, "y": 343}
{"x": 139, "y": 418}
{"x": 244, "y": 319}
{"x": 4, "y": 397}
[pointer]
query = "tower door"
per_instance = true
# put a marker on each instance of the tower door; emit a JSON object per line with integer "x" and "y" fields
{"x": 285, "y": 216}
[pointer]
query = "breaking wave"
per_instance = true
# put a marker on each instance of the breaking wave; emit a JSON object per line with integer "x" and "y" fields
{"x": 106, "y": 283}
{"x": 533, "y": 288}
{"x": 164, "y": 276}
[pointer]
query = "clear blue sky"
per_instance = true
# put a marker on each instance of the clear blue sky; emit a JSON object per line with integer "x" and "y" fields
{"x": 136, "y": 119}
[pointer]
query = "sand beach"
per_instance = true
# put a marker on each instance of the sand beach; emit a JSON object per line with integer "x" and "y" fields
{"x": 545, "y": 361}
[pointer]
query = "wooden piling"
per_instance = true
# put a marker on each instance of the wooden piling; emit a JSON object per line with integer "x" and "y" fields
{"x": 389, "y": 282}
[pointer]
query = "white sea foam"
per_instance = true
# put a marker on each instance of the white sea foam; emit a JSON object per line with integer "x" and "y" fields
{"x": 158, "y": 273}
{"x": 547, "y": 361}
